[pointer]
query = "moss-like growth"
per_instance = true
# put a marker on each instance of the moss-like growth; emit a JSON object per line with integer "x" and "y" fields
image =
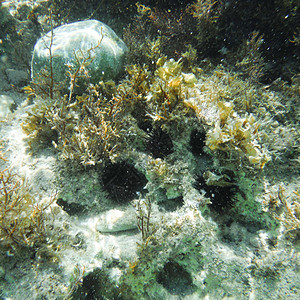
{"x": 22, "y": 218}
{"x": 37, "y": 125}
{"x": 86, "y": 130}
{"x": 283, "y": 204}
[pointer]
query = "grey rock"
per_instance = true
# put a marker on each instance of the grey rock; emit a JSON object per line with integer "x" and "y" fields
{"x": 91, "y": 41}
{"x": 116, "y": 220}
{"x": 16, "y": 77}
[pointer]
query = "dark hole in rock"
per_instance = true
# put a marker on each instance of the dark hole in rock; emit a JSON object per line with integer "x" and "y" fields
{"x": 197, "y": 142}
{"x": 71, "y": 208}
{"x": 159, "y": 143}
{"x": 123, "y": 181}
{"x": 175, "y": 279}
{"x": 172, "y": 204}
{"x": 221, "y": 197}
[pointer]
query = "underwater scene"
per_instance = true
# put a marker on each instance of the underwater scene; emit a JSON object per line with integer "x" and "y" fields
{"x": 149, "y": 149}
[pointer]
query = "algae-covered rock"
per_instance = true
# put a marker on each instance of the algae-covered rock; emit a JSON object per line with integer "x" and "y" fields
{"x": 91, "y": 44}
{"x": 116, "y": 220}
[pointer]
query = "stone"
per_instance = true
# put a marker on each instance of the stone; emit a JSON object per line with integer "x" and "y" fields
{"x": 91, "y": 41}
{"x": 116, "y": 220}
{"x": 16, "y": 77}
{"x": 6, "y": 105}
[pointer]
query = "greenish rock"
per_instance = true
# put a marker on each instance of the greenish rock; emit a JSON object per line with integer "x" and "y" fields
{"x": 89, "y": 43}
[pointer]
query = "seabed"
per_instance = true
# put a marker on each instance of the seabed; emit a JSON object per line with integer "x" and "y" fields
{"x": 179, "y": 179}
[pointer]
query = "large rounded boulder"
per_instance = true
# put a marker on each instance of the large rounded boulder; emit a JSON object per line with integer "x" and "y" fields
{"x": 90, "y": 44}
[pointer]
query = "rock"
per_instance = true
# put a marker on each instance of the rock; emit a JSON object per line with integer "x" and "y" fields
{"x": 90, "y": 40}
{"x": 6, "y": 104}
{"x": 16, "y": 77}
{"x": 116, "y": 220}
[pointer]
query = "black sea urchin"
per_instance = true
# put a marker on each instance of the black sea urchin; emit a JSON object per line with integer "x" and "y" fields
{"x": 159, "y": 143}
{"x": 122, "y": 181}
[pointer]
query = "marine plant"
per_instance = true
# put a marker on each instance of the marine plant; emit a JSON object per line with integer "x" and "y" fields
{"x": 156, "y": 31}
{"x": 283, "y": 203}
{"x": 76, "y": 279}
{"x": 226, "y": 129}
{"x": 207, "y": 14}
{"x": 290, "y": 217}
{"x": 38, "y": 125}
{"x": 157, "y": 96}
{"x": 22, "y": 217}
{"x": 85, "y": 129}
{"x": 94, "y": 134}
{"x": 143, "y": 211}
{"x": 252, "y": 62}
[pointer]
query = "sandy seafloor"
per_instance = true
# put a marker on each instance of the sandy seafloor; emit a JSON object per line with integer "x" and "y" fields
{"x": 196, "y": 253}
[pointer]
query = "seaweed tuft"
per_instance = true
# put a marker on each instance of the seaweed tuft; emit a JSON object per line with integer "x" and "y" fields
{"x": 22, "y": 217}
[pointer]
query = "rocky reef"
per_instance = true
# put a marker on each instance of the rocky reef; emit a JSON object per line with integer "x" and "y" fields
{"x": 176, "y": 179}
